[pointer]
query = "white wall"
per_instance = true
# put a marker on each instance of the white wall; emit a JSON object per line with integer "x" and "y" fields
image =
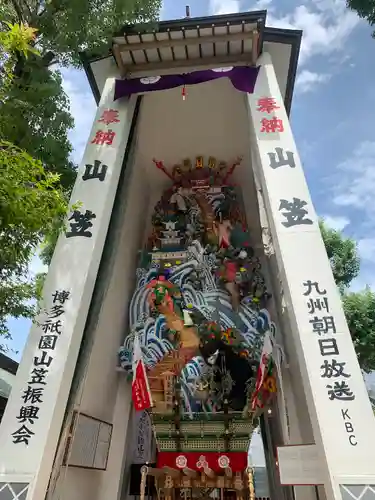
{"x": 298, "y": 427}
{"x": 212, "y": 121}
{"x": 6, "y": 379}
{"x": 104, "y": 392}
{"x": 7, "y": 376}
{"x": 100, "y": 392}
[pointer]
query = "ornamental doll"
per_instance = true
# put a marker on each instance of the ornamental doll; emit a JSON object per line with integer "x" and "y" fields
{"x": 160, "y": 294}
{"x": 223, "y": 232}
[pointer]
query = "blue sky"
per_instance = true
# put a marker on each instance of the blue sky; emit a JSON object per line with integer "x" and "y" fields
{"x": 332, "y": 113}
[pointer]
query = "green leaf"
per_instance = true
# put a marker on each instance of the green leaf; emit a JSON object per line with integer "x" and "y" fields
{"x": 365, "y": 9}
{"x": 36, "y": 172}
{"x": 359, "y": 307}
{"x": 343, "y": 255}
{"x": 31, "y": 201}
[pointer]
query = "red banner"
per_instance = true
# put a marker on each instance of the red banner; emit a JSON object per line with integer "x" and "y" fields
{"x": 198, "y": 461}
{"x": 263, "y": 371}
{"x": 140, "y": 393}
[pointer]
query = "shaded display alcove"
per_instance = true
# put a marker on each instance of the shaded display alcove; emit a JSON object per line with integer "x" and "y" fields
{"x": 200, "y": 309}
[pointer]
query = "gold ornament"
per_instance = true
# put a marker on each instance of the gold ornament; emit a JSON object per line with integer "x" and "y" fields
{"x": 212, "y": 162}
{"x": 199, "y": 162}
{"x": 186, "y": 165}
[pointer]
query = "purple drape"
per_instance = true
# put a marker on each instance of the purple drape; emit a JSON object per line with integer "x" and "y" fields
{"x": 243, "y": 78}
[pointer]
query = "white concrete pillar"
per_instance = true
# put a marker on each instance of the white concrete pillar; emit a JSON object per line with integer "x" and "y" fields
{"x": 340, "y": 411}
{"x": 32, "y": 422}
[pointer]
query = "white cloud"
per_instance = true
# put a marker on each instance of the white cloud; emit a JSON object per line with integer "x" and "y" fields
{"x": 366, "y": 279}
{"x": 82, "y": 107}
{"x": 355, "y": 181}
{"x": 218, "y": 7}
{"x": 326, "y": 25}
{"x": 336, "y": 222}
{"x": 366, "y": 249}
{"x": 261, "y": 4}
{"x": 370, "y": 383}
{"x": 308, "y": 80}
{"x": 354, "y": 187}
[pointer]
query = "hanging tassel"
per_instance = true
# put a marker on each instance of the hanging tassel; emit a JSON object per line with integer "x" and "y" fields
{"x": 183, "y": 93}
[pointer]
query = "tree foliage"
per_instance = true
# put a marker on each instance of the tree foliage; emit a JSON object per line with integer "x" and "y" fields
{"x": 30, "y": 201}
{"x": 19, "y": 38}
{"x": 30, "y": 197}
{"x": 365, "y": 9}
{"x": 35, "y": 117}
{"x": 16, "y": 39}
{"x": 360, "y": 313}
{"x": 34, "y": 110}
{"x": 66, "y": 27}
{"x": 36, "y": 172}
{"x": 343, "y": 256}
{"x": 359, "y": 307}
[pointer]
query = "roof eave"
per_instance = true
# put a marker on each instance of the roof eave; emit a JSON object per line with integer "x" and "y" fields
{"x": 292, "y": 38}
{"x": 8, "y": 364}
{"x": 267, "y": 34}
{"x": 86, "y": 61}
{"x": 192, "y": 22}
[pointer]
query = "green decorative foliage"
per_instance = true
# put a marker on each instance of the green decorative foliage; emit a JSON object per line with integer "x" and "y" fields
{"x": 240, "y": 238}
